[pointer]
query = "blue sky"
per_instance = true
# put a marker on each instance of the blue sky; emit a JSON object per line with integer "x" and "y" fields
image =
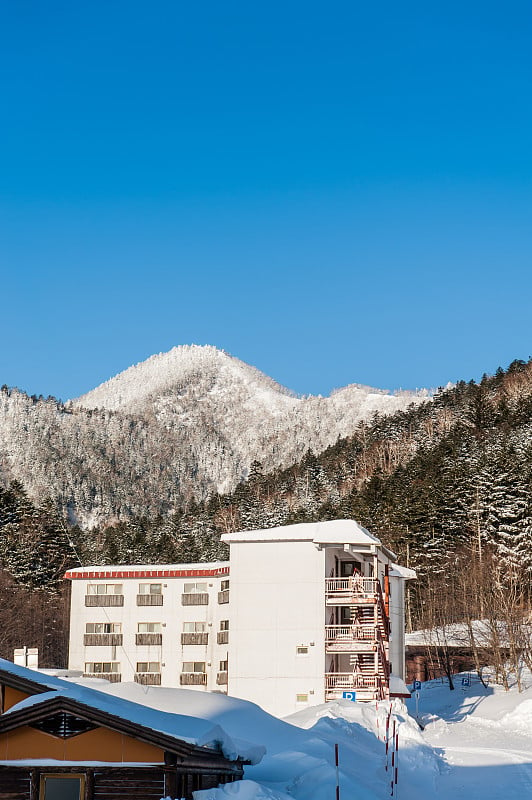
{"x": 334, "y": 193}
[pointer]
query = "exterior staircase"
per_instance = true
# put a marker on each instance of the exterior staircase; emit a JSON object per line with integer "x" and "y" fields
{"x": 358, "y": 650}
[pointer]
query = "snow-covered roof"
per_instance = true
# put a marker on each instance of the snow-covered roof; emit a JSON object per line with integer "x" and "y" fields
{"x": 457, "y": 635}
{"x": 188, "y": 727}
{"x": 397, "y": 571}
{"x": 338, "y": 531}
{"x": 398, "y": 687}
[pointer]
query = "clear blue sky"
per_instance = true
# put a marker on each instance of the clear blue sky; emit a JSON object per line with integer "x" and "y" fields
{"x": 334, "y": 192}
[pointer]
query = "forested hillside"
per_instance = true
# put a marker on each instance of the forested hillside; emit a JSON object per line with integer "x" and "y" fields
{"x": 444, "y": 478}
{"x": 178, "y": 427}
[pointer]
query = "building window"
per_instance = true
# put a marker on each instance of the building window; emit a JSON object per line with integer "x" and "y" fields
{"x": 194, "y": 588}
{"x": 149, "y": 627}
{"x": 347, "y": 615}
{"x": 302, "y": 650}
{"x": 223, "y": 665}
{"x": 224, "y": 585}
{"x": 104, "y": 588}
{"x": 102, "y": 667}
{"x": 195, "y": 594}
{"x": 194, "y": 627}
{"x": 193, "y": 673}
{"x": 103, "y": 627}
{"x": 301, "y": 698}
{"x": 224, "y": 624}
{"x": 148, "y": 666}
{"x": 193, "y": 666}
{"x": 150, "y": 588}
{"x": 62, "y": 787}
{"x": 348, "y": 568}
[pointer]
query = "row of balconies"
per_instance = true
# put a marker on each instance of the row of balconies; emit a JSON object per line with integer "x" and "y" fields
{"x": 154, "y": 678}
{"x": 116, "y": 639}
{"x": 187, "y": 599}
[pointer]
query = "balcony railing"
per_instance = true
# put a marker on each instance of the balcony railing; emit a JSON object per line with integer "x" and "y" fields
{"x": 149, "y": 638}
{"x": 148, "y": 678}
{"x": 221, "y": 678}
{"x": 193, "y": 679}
{"x": 102, "y": 639}
{"x": 350, "y": 681}
{"x": 95, "y": 600}
{"x": 112, "y": 677}
{"x": 195, "y": 638}
{"x": 149, "y": 599}
{"x": 223, "y": 596}
{"x": 195, "y": 599}
{"x": 349, "y": 590}
{"x": 222, "y": 637}
{"x": 352, "y": 638}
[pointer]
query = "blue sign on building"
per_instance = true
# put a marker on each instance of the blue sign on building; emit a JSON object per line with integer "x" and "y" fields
{"x": 349, "y": 696}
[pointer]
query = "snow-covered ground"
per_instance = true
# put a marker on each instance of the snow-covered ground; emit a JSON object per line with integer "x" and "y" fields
{"x": 476, "y": 744}
{"x": 483, "y": 737}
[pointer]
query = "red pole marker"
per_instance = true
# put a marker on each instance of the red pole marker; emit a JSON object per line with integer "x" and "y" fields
{"x": 336, "y": 761}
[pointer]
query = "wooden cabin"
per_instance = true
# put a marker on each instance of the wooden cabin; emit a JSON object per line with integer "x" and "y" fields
{"x": 64, "y": 741}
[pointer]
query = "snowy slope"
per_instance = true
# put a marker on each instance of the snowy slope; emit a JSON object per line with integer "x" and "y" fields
{"x": 476, "y": 744}
{"x": 299, "y": 760}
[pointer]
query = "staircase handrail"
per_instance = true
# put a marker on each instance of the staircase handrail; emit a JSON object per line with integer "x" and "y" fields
{"x": 382, "y": 607}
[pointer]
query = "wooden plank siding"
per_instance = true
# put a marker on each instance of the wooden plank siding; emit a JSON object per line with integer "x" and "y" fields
{"x": 113, "y": 783}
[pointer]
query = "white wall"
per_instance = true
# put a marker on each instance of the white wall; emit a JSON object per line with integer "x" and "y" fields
{"x": 397, "y": 626}
{"x": 277, "y": 603}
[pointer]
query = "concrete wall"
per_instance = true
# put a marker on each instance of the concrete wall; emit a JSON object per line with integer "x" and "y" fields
{"x": 277, "y": 605}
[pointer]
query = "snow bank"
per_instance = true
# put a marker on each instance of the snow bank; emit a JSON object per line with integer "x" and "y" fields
{"x": 241, "y": 790}
{"x": 520, "y": 719}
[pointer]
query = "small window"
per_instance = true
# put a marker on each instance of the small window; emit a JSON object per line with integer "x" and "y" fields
{"x": 194, "y": 627}
{"x": 224, "y": 585}
{"x": 193, "y": 588}
{"x": 150, "y": 588}
{"x": 104, "y": 588}
{"x": 223, "y": 666}
{"x": 301, "y": 698}
{"x": 62, "y": 787}
{"x": 103, "y": 627}
{"x": 224, "y": 624}
{"x": 149, "y": 627}
{"x": 148, "y": 666}
{"x": 347, "y": 615}
{"x": 102, "y": 667}
{"x": 193, "y": 666}
{"x": 302, "y": 650}
{"x": 348, "y": 568}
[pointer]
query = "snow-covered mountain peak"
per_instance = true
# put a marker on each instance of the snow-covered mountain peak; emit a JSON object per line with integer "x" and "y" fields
{"x": 182, "y": 424}
{"x": 173, "y": 372}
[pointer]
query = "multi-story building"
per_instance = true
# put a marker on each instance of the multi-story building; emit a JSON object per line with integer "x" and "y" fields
{"x": 300, "y": 614}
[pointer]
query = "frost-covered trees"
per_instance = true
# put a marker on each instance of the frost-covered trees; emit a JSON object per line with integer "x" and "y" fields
{"x": 183, "y": 425}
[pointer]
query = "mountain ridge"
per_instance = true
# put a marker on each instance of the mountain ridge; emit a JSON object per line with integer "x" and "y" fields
{"x": 179, "y": 426}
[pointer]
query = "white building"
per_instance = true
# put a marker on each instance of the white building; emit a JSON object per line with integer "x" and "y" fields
{"x": 313, "y": 611}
